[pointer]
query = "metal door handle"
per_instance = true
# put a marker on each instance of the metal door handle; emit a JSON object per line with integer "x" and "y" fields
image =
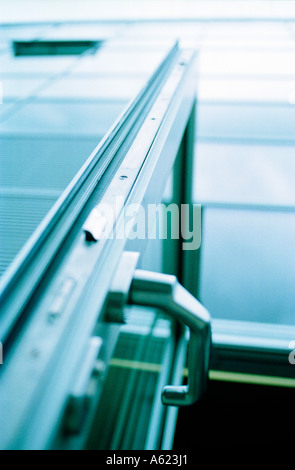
{"x": 163, "y": 291}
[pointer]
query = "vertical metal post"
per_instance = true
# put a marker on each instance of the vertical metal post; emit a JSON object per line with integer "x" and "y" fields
{"x": 184, "y": 263}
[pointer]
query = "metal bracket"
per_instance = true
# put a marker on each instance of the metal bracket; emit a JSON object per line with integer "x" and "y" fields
{"x": 164, "y": 292}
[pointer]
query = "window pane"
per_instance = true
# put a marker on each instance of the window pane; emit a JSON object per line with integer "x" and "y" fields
{"x": 248, "y": 265}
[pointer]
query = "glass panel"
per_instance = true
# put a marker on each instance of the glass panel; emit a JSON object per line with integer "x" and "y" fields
{"x": 249, "y": 63}
{"x": 132, "y": 390}
{"x": 83, "y": 119}
{"x": 248, "y": 265}
{"x": 246, "y": 121}
{"x": 238, "y": 173}
{"x": 111, "y": 60}
{"x": 121, "y": 88}
{"x": 57, "y": 118}
{"x": 254, "y": 90}
{"x": 6, "y": 109}
{"x": 49, "y": 173}
{"x": 84, "y": 31}
{"x": 29, "y": 187}
{"x": 20, "y": 214}
{"x": 8, "y": 32}
{"x": 34, "y": 66}
{"x": 16, "y": 88}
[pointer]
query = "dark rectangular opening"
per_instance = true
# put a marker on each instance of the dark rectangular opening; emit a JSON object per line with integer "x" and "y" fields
{"x": 50, "y": 47}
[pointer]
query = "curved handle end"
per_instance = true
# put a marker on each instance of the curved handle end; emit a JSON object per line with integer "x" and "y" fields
{"x": 176, "y": 395}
